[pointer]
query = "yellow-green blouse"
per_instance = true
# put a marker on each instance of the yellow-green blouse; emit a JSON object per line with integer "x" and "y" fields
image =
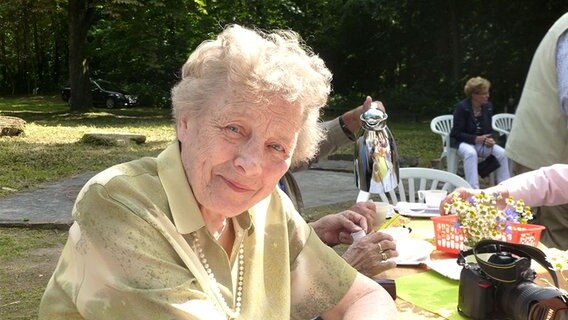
{"x": 130, "y": 255}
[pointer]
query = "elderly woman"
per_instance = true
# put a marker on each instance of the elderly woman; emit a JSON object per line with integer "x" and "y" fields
{"x": 202, "y": 231}
{"x": 472, "y": 131}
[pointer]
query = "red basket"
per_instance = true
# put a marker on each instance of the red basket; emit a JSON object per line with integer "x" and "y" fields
{"x": 450, "y": 239}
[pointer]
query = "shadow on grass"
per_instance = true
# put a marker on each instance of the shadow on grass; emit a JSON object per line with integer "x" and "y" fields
{"x": 44, "y": 110}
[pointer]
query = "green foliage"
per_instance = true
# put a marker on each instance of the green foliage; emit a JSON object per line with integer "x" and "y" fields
{"x": 413, "y": 55}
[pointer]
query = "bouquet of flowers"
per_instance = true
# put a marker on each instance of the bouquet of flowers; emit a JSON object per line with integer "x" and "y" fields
{"x": 486, "y": 216}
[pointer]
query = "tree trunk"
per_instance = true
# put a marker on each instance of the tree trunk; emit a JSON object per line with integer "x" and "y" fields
{"x": 454, "y": 41}
{"x": 81, "y": 17}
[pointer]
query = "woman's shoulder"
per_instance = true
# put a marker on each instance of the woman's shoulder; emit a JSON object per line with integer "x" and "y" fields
{"x": 464, "y": 104}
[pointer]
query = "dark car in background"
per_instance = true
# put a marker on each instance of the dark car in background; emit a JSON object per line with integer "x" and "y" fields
{"x": 105, "y": 94}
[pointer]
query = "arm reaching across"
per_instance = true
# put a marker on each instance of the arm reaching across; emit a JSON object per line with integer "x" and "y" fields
{"x": 542, "y": 187}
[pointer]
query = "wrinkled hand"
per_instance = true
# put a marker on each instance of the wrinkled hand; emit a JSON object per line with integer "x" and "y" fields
{"x": 368, "y": 257}
{"x": 367, "y": 105}
{"x": 352, "y": 118}
{"x": 466, "y": 193}
{"x": 336, "y": 228}
{"x": 367, "y": 209}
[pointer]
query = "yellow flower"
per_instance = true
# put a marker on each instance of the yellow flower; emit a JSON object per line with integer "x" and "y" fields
{"x": 480, "y": 218}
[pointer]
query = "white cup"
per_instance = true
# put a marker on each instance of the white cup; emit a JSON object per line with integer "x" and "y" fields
{"x": 433, "y": 198}
{"x": 381, "y": 210}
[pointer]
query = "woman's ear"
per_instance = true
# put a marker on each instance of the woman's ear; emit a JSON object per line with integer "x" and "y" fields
{"x": 182, "y": 124}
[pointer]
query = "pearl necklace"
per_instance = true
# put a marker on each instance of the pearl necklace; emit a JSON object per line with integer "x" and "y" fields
{"x": 232, "y": 313}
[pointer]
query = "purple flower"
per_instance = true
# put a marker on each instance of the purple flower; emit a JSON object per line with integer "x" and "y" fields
{"x": 511, "y": 214}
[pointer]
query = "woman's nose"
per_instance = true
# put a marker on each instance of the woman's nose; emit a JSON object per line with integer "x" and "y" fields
{"x": 249, "y": 158}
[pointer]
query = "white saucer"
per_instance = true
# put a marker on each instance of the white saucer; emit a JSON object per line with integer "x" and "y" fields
{"x": 410, "y": 206}
{"x": 420, "y": 214}
{"x": 412, "y": 251}
{"x": 416, "y": 210}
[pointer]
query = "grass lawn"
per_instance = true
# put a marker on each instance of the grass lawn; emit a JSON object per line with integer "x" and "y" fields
{"x": 28, "y": 258}
{"x": 51, "y": 149}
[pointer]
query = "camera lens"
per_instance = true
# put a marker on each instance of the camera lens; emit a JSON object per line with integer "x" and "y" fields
{"x": 502, "y": 258}
{"x": 518, "y": 299}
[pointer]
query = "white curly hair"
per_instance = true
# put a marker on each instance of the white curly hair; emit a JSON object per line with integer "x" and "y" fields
{"x": 256, "y": 68}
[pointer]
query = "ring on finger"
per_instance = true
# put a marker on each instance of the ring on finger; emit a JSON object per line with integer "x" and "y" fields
{"x": 380, "y": 247}
{"x": 384, "y": 256}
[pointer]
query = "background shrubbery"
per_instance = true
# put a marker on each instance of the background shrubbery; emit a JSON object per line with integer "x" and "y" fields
{"x": 414, "y": 55}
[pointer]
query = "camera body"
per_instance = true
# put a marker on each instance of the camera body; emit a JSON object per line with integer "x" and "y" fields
{"x": 484, "y": 297}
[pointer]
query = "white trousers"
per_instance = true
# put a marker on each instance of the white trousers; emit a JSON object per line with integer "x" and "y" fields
{"x": 470, "y": 153}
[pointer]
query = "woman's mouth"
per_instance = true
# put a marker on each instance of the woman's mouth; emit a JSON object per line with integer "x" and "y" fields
{"x": 236, "y": 186}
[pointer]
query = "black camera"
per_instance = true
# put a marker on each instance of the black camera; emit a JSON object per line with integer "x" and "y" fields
{"x": 502, "y": 286}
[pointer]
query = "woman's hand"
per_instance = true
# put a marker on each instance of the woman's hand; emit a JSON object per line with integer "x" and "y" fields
{"x": 336, "y": 228}
{"x": 369, "y": 254}
{"x": 482, "y": 139}
{"x": 368, "y": 210}
{"x": 352, "y": 118}
{"x": 489, "y": 142}
{"x": 464, "y": 193}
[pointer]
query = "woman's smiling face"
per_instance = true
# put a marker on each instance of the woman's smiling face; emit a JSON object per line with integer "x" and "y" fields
{"x": 234, "y": 156}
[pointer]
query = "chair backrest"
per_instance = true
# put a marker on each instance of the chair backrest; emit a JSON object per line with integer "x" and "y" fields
{"x": 502, "y": 122}
{"x": 414, "y": 179}
{"x": 443, "y": 124}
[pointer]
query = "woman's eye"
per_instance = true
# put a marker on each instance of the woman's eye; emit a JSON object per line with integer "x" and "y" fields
{"x": 233, "y": 129}
{"x": 277, "y": 147}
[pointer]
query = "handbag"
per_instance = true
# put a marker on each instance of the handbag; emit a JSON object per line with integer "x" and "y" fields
{"x": 488, "y": 165}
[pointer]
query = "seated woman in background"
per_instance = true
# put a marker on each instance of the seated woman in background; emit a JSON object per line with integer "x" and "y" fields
{"x": 472, "y": 131}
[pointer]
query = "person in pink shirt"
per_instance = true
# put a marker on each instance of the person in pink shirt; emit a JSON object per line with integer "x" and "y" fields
{"x": 541, "y": 187}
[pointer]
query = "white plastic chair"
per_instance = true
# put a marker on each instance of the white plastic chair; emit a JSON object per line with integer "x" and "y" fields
{"x": 414, "y": 179}
{"x": 442, "y": 125}
{"x": 502, "y": 123}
